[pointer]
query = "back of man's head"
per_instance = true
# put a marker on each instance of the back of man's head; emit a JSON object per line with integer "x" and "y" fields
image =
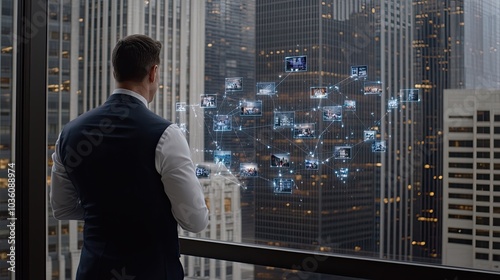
{"x": 133, "y": 56}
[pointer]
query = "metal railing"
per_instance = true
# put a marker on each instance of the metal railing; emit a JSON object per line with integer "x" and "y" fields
{"x": 332, "y": 264}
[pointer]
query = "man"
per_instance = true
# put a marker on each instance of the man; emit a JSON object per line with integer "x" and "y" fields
{"x": 128, "y": 174}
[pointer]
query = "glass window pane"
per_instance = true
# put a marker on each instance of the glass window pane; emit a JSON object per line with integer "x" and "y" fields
{"x": 338, "y": 126}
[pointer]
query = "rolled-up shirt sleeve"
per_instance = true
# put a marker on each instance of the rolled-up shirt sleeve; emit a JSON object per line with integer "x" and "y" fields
{"x": 64, "y": 198}
{"x": 173, "y": 162}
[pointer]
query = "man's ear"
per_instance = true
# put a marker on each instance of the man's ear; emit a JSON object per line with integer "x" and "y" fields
{"x": 152, "y": 73}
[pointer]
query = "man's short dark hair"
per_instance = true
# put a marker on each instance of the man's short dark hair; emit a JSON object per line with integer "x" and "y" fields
{"x": 133, "y": 57}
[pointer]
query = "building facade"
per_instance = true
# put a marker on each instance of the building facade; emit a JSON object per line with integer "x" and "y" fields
{"x": 471, "y": 188}
{"x": 222, "y": 195}
{"x": 230, "y": 53}
{"x": 360, "y": 198}
{"x": 456, "y": 46}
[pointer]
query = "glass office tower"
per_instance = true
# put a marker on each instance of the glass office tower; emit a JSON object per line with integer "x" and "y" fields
{"x": 456, "y": 44}
{"x": 230, "y": 53}
{"x": 352, "y": 178}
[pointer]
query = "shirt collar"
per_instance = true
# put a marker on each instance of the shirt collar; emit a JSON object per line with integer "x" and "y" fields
{"x": 131, "y": 93}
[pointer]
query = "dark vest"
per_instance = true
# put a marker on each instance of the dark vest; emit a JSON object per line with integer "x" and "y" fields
{"x": 129, "y": 232}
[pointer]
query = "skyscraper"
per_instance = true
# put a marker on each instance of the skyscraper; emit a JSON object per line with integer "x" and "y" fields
{"x": 359, "y": 200}
{"x": 456, "y": 45}
{"x": 471, "y": 189}
{"x": 230, "y": 53}
{"x": 222, "y": 195}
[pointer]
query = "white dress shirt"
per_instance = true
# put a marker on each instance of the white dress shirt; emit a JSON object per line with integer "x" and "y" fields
{"x": 173, "y": 162}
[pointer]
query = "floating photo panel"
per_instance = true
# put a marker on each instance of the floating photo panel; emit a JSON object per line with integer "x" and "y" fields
{"x": 208, "y": 101}
{"x": 222, "y": 123}
{"x": 318, "y": 92}
{"x": 311, "y": 164}
{"x": 223, "y": 157}
{"x": 234, "y": 84}
{"x": 342, "y": 152}
{"x": 372, "y": 88}
{"x": 202, "y": 171}
{"x": 183, "y": 127}
{"x": 283, "y": 185}
{"x": 304, "y": 130}
{"x": 342, "y": 173}
{"x": 266, "y": 88}
{"x": 180, "y": 106}
{"x": 349, "y": 105}
{"x": 332, "y": 113}
{"x": 284, "y": 119}
{"x": 409, "y": 95}
{"x": 379, "y": 147}
{"x": 360, "y": 71}
{"x": 392, "y": 103}
{"x": 250, "y": 108}
{"x": 296, "y": 63}
{"x": 280, "y": 160}
{"x": 369, "y": 135}
{"x": 249, "y": 169}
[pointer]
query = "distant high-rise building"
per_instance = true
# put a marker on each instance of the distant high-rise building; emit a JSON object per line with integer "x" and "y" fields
{"x": 359, "y": 197}
{"x": 471, "y": 181}
{"x": 456, "y": 44}
{"x": 230, "y": 53}
{"x": 222, "y": 195}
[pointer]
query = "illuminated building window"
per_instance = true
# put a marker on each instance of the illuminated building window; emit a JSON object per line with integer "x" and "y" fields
{"x": 461, "y": 143}
{"x": 461, "y": 217}
{"x": 460, "y": 207}
{"x": 460, "y": 231}
{"x": 482, "y": 165}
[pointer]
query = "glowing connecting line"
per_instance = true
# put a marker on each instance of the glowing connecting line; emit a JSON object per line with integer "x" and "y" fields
{"x": 298, "y": 137}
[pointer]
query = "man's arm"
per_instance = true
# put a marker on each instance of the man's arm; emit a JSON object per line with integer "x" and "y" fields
{"x": 63, "y": 195}
{"x": 173, "y": 162}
